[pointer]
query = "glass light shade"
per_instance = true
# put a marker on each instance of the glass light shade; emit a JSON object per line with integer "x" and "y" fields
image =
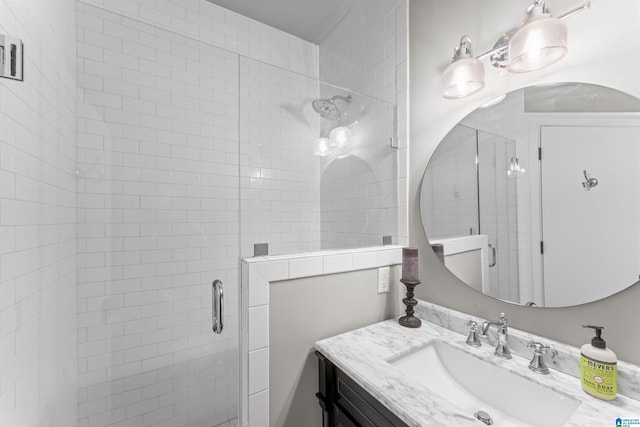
{"x": 339, "y": 137}
{"x": 463, "y": 77}
{"x": 321, "y": 147}
{"x": 540, "y": 42}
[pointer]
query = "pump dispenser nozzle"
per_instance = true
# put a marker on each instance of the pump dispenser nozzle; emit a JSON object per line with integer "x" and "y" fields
{"x": 597, "y": 341}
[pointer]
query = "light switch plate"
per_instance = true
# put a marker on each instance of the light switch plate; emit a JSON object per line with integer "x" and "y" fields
{"x": 384, "y": 279}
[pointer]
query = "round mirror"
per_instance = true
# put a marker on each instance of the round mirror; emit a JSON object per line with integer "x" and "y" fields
{"x": 534, "y": 198}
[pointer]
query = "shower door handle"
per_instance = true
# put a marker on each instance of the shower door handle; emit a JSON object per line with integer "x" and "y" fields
{"x": 493, "y": 256}
{"x": 217, "y": 306}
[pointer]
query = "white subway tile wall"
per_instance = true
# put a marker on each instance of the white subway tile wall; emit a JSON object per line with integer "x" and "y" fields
{"x": 279, "y": 174}
{"x": 449, "y": 193}
{"x": 367, "y": 53}
{"x": 158, "y": 205}
{"x": 350, "y": 217}
{"x": 364, "y": 51}
{"x": 120, "y": 202}
{"x": 201, "y": 19}
{"x": 38, "y": 368}
{"x": 498, "y": 212}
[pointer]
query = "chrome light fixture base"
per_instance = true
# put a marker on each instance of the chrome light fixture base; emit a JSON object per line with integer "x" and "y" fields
{"x": 499, "y": 57}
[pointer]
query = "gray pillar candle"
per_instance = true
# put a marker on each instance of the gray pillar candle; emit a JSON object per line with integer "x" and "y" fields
{"x": 410, "y": 264}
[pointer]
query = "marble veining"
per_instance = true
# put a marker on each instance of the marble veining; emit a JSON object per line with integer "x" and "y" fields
{"x": 363, "y": 354}
{"x": 562, "y": 357}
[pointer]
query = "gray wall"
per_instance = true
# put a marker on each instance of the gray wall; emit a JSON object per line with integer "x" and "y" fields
{"x": 467, "y": 266}
{"x": 304, "y": 311}
{"x": 435, "y": 28}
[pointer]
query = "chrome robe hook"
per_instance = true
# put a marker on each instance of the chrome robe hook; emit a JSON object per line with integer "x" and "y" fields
{"x": 589, "y": 182}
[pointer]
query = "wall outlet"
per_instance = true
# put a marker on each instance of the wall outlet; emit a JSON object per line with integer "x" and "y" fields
{"x": 384, "y": 279}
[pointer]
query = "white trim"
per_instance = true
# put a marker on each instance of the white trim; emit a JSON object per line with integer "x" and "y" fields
{"x": 460, "y": 244}
{"x": 256, "y": 275}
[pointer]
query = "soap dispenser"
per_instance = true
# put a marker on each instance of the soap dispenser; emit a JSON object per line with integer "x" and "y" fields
{"x": 598, "y": 367}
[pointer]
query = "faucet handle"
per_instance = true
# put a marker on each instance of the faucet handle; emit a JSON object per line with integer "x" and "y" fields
{"x": 537, "y": 363}
{"x": 503, "y": 320}
{"x": 539, "y": 348}
{"x": 473, "y": 339}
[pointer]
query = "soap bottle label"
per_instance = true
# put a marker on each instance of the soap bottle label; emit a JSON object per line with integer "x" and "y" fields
{"x": 598, "y": 376}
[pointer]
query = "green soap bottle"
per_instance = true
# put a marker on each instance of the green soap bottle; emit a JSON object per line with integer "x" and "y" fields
{"x": 598, "y": 367}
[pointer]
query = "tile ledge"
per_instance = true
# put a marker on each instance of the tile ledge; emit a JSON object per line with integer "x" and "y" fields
{"x": 267, "y": 258}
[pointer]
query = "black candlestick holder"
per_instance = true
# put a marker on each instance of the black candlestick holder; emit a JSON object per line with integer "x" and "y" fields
{"x": 410, "y": 321}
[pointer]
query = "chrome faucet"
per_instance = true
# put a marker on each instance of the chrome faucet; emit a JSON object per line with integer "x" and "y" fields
{"x": 537, "y": 363}
{"x": 502, "y": 349}
{"x": 473, "y": 340}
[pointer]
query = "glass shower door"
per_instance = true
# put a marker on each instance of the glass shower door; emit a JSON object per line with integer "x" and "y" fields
{"x": 308, "y": 181}
{"x": 158, "y": 222}
{"x": 497, "y": 175}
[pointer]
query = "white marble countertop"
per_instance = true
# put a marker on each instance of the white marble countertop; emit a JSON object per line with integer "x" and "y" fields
{"x": 363, "y": 354}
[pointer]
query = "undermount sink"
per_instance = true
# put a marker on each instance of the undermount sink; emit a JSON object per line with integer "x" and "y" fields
{"x": 479, "y": 388}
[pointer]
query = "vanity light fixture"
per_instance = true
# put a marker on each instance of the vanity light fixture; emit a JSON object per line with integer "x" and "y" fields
{"x": 465, "y": 75}
{"x": 538, "y": 42}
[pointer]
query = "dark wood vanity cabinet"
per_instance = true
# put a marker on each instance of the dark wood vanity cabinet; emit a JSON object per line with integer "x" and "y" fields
{"x": 345, "y": 404}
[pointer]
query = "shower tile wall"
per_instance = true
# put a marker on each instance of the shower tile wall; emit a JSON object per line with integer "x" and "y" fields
{"x": 37, "y": 219}
{"x": 158, "y": 207}
{"x": 157, "y": 213}
{"x": 367, "y": 53}
{"x": 449, "y": 194}
{"x": 279, "y": 174}
{"x": 347, "y": 205}
{"x": 220, "y": 27}
{"x": 498, "y": 212}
